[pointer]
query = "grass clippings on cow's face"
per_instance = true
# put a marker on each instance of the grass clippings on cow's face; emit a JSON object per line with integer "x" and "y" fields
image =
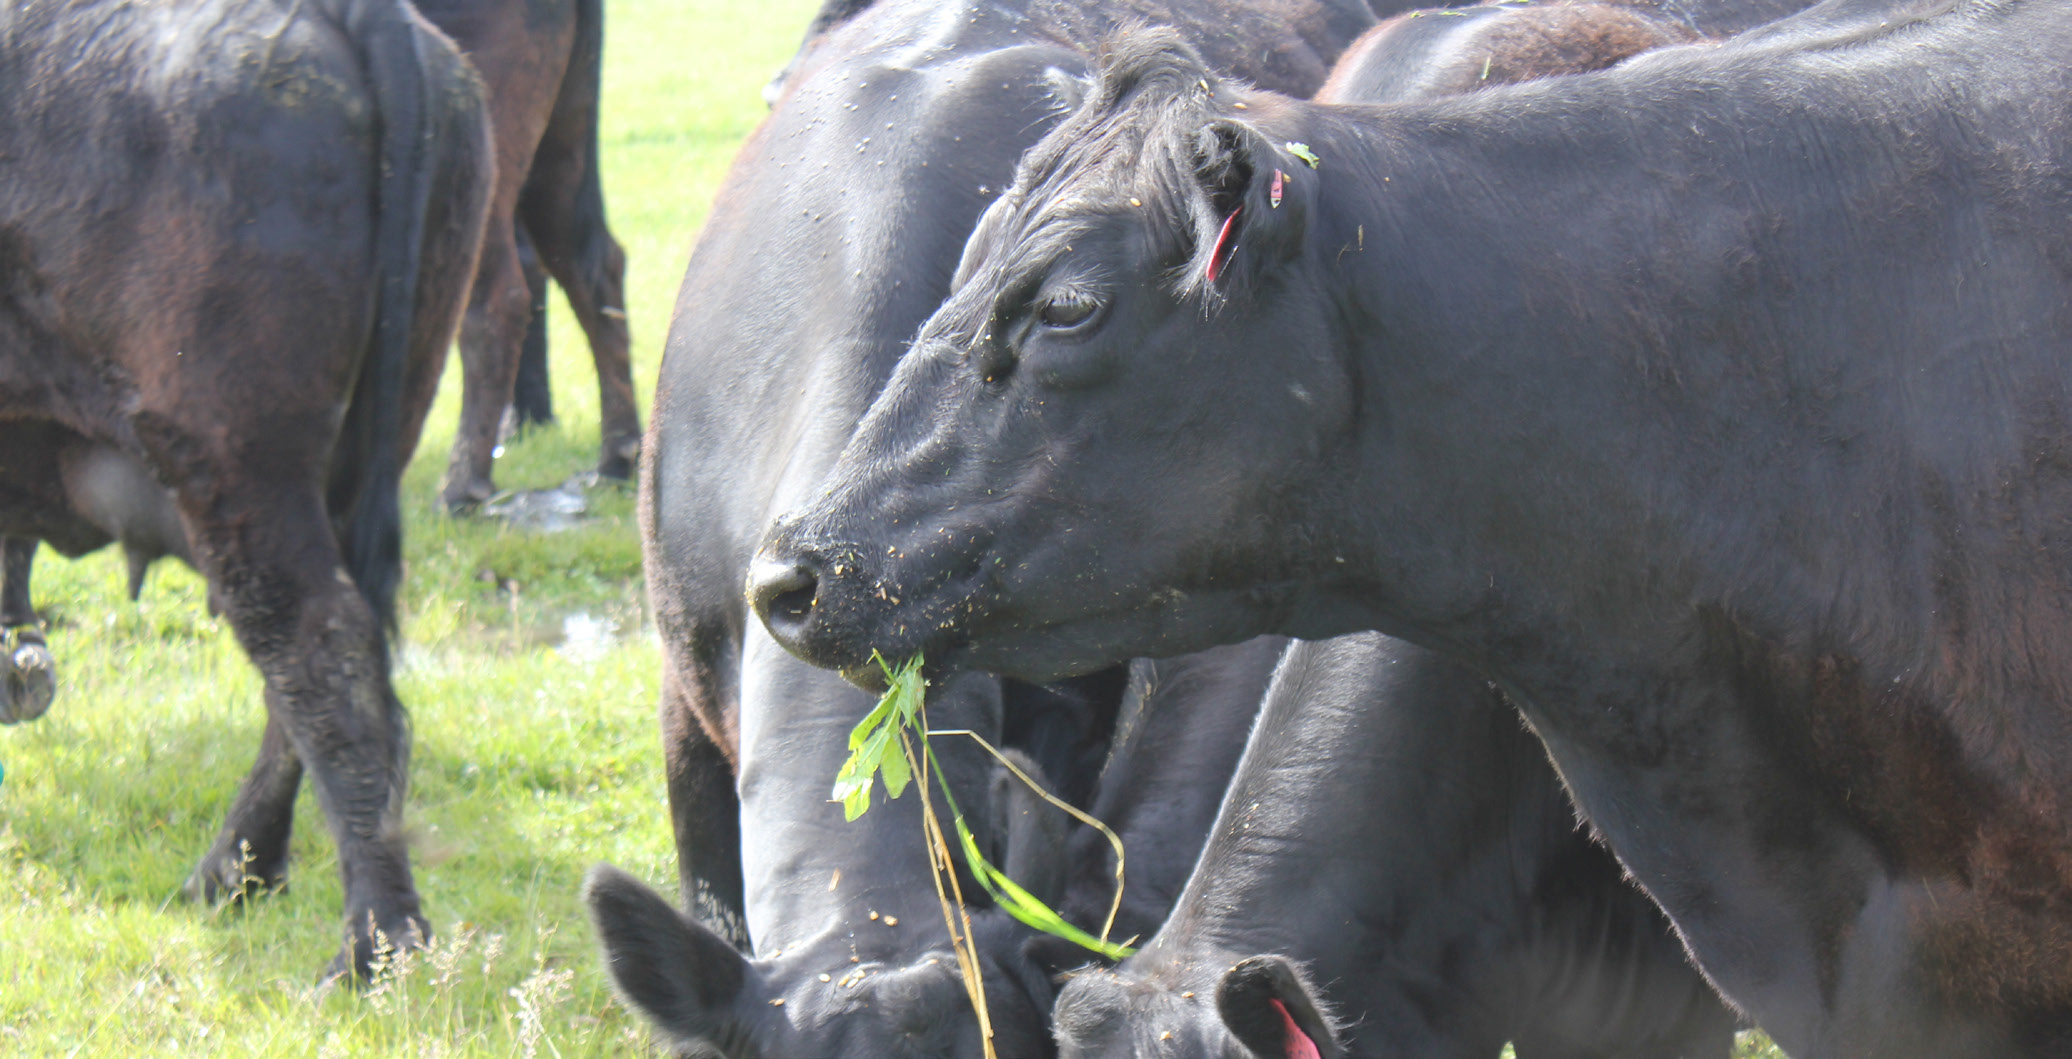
{"x": 535, "y": 752}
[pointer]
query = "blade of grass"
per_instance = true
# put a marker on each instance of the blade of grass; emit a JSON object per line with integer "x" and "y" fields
{"x": 903, "y": 709}
{"x": 939, "y": 865}
{"x": 1015, "y": 901}
{"x": 1114, "y": 840}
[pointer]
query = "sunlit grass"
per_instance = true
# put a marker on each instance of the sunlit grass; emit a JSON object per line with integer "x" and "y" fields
{"x": 531, "y": 762}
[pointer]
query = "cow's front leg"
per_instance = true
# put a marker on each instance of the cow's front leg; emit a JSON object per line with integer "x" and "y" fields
{"x": 271, "y": 555}
{"x": 704, "y": 809}
{"x": 28, "y": 673}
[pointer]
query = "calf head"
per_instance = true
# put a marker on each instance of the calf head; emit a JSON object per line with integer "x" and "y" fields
{"x": 707, "y": 1000}
{"x": 1260, "y": 1008}
{"x": 1131, "y": 331}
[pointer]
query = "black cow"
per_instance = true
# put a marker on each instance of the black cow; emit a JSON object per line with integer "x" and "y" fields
{"x": 1396, "y": 834}
{"x": 1719, "y": 417}
{"x": 532, "y": 392}
{"x": 236, "y": 237}
{"x": 1184, "y": 725}
{"x": 542, "y": 61}
{"x": 834, "y": 236}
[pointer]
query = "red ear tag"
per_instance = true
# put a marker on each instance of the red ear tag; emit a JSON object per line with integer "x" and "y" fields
{"x": 1280, "y": 183}
{"x": 1299, "y": 1044}
{"x": 1225, "y": 243}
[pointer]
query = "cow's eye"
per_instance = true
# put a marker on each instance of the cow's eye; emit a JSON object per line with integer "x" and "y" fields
{"x": 1067, "y": 309}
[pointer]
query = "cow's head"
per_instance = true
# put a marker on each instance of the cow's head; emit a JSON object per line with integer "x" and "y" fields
{"x": 707, "y": 1000}
{"x": 1258, "y": 1008}
{"x": 1095, "y": 446}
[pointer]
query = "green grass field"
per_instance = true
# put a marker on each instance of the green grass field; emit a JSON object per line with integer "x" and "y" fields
{"x": 533, "y": 759}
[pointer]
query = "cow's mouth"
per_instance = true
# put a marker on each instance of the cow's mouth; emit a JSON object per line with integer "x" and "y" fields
{"x": 834, "y": 608}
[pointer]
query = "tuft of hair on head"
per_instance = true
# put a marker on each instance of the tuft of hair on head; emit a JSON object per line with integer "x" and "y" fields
{"x": 1153, "y": 61}
{"x": 1157, "y": 127}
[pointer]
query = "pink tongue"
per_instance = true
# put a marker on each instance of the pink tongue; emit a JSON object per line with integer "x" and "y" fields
{"x": 1299, "y": 1044}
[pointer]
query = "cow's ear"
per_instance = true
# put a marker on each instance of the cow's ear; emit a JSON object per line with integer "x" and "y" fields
{"x": 1268, "y": 1007}
{"x": 668, "y": 966}
{"x": 1258, "y": 196}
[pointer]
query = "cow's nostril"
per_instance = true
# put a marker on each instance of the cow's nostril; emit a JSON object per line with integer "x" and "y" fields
{"x": 783, "y": 593}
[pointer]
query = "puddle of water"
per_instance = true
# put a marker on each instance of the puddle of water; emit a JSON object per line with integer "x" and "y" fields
{"x": 545, "y": 510}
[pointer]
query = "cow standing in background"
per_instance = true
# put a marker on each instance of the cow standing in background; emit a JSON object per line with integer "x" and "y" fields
{"x": 541, "y": 60}
{"x": 236, "y": 237}
{"x": 542, "y": 64}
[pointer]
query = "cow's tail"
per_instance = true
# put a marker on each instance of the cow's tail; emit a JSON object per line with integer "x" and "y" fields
{"x": 368, "y": 467}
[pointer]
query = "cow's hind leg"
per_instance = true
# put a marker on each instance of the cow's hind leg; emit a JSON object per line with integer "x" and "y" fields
{"x": 579, "y": 250}
{"x": 532, "y": 401}
{"x": 562, "y": 208}
{"x": 491, "y": 335}
{"x": 270, "y": 550}
{"x": 28, "y": 674}
{"x": 250, "y": 856}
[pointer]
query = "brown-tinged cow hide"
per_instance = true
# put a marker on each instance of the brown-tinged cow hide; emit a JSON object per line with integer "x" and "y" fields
{"x": 234, "y": 238}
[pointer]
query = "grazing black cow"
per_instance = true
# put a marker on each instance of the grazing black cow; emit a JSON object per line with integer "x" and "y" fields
{"x": 1720, "y": 417}
{"x": 1396, "y": 834}
{"x": 237, "y": 236}
{"x": 541, "y": 60}
{"x": 835, "y": 235}
{"x": 1184, "y": 725}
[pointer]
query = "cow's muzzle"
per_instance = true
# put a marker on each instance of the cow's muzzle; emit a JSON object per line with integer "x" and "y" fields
{"x": 843, "y": 606}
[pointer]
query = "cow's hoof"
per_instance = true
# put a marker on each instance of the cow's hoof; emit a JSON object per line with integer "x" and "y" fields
{"x": 618, "y": 458}
{"x": 222, "y": 881}
{"x": 370, "y": 952}
{"x": 28, "y": 677}
{"x": 463, "y": 498}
